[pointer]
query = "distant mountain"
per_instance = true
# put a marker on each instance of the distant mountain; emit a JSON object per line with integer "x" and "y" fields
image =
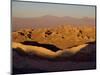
{"x": 49, "y": 21}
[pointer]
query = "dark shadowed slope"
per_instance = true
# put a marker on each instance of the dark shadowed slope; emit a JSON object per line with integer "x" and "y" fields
{"x": 48, "y": 46}
{"x": 84, "y": 59}
{"x": 87, "y": 53}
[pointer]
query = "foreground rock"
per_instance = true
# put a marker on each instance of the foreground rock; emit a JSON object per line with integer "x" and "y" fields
{"x": 41, "y": 50}
{"x": 83, "y": 59}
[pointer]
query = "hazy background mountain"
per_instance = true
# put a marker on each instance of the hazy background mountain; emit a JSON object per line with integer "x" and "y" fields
{"x": 49, "y": 21}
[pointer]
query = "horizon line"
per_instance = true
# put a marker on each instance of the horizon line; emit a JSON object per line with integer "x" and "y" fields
{"x": 56, "y": 16}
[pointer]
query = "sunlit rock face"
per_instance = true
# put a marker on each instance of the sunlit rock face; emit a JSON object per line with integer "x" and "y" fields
{"x": 63, "y": 37}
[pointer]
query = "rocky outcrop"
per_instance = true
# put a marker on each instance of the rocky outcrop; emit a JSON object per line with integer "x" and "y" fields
{"x": 62, "y": 36}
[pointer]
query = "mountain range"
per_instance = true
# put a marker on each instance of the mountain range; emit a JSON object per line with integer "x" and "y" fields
{"x": 49, "y": 21}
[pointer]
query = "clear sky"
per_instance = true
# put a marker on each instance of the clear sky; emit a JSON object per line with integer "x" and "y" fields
{"x": 31, "y": 9}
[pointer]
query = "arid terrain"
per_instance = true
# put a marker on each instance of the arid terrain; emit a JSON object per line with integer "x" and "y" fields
{"x": 51, "y": 37}
{"x": 45, "y": 49}
{"x": 62, "y": 36}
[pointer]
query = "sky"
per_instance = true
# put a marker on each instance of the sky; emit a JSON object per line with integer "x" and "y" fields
{"x": 34, "y": 9}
